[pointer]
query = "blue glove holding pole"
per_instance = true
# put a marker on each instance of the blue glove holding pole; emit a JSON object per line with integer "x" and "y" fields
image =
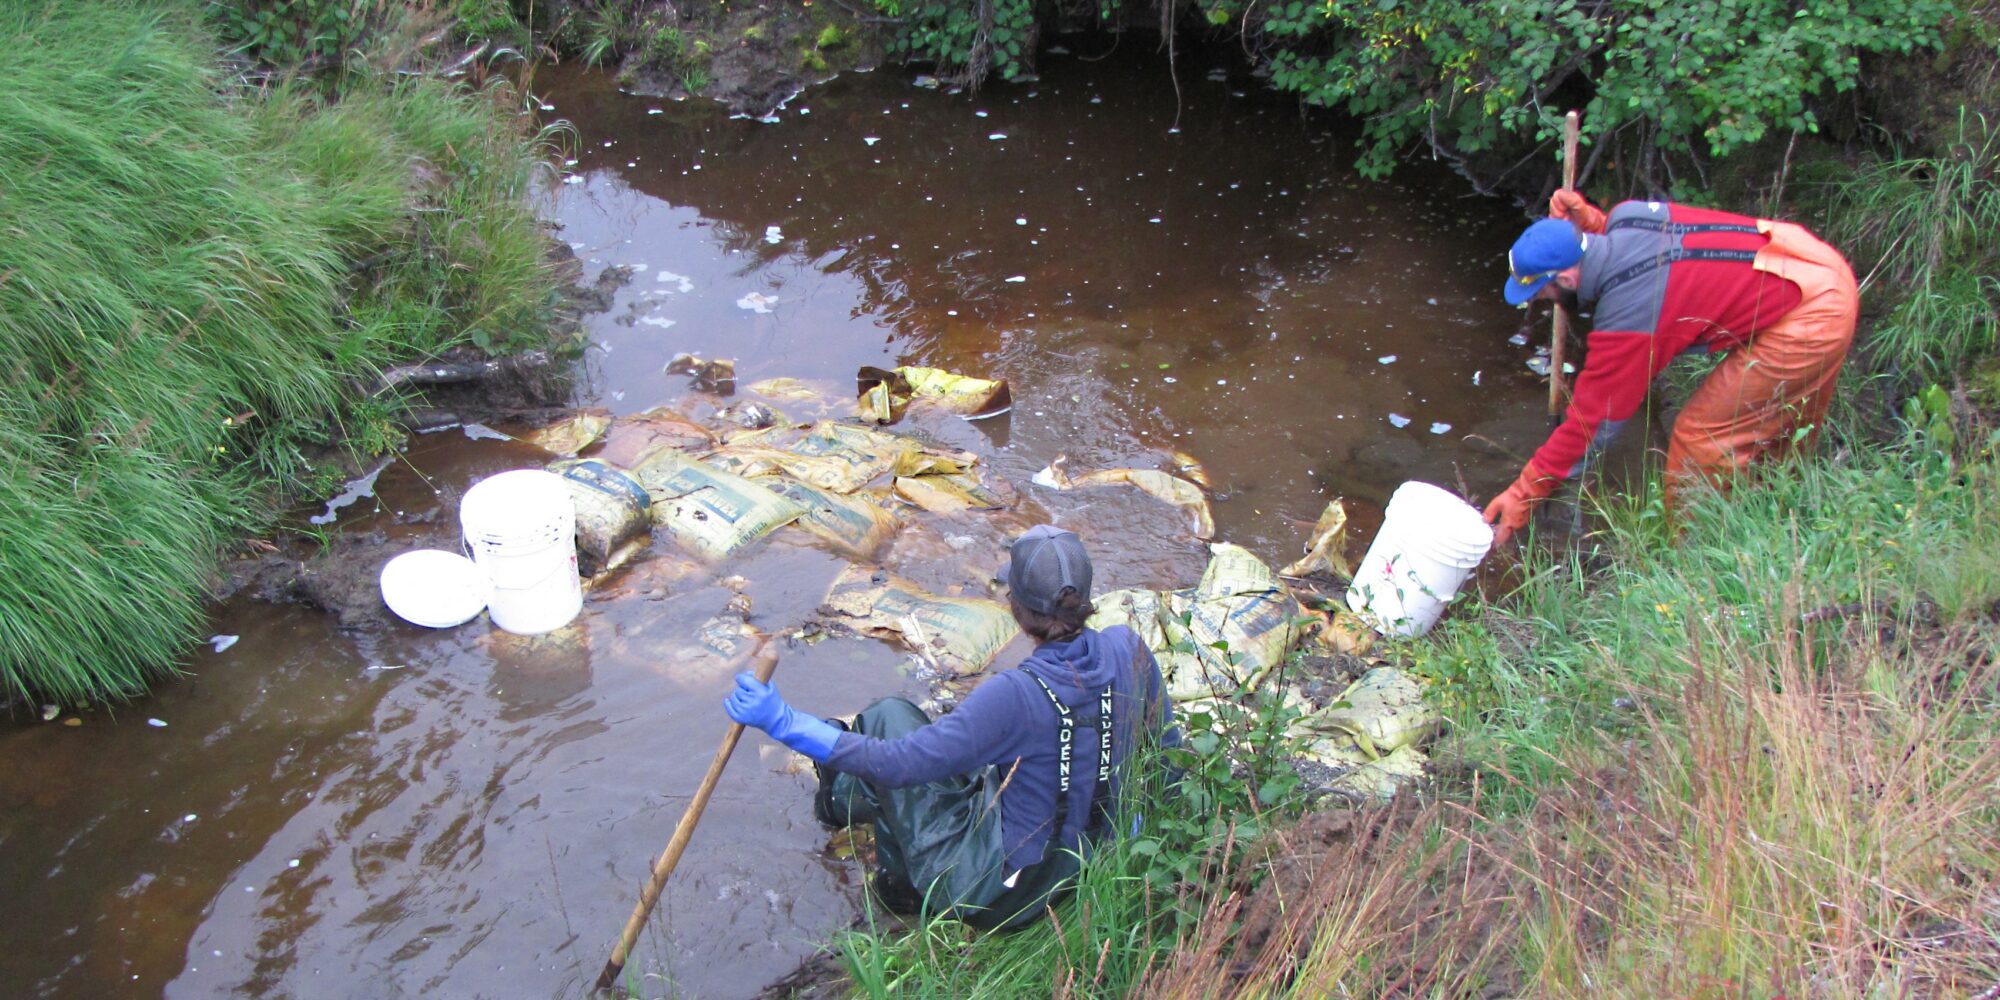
{"x": 757, "y": 705}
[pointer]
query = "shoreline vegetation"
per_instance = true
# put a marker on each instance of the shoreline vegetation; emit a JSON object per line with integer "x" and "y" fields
{"x": 206, "y": 266}
{"x": 1753, "y": 756}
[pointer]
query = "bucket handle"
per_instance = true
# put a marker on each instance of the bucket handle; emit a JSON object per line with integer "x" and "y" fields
{"x": 465, "y": 549}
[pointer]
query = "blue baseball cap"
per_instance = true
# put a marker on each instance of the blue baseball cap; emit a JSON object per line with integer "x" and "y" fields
{"x": 1544, "y": 249}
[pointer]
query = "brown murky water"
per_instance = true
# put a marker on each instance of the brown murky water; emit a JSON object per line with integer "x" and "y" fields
{"x": 394, "y": 811}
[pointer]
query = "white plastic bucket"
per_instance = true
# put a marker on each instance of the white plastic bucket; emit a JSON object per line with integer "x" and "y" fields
{"x": 520, "y": 527}
{"x": 1429, "y": 542}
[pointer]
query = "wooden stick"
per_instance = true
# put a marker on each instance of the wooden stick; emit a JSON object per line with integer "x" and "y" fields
{"x": 1559, "y": 320}
{"x": 765, "y": 662}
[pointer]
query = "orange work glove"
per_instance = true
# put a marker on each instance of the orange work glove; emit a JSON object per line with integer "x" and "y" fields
{"x": 1509, "y": 511}
{"x": 1568, "y": 204}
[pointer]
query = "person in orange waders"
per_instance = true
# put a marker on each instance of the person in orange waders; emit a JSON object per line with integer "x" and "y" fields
{"x": 1665, "y": 279}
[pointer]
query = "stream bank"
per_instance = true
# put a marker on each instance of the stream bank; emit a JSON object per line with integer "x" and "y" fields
{"x": 470, "y": 811}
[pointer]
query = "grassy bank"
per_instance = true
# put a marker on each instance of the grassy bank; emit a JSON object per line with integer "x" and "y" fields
{"x": 1748, "y": 754}
{"x": 199, "y": 277}
{"x": 1755, "y": 760}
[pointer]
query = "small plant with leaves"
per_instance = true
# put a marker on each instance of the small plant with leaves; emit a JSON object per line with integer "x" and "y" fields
{"x": 965, "y": 41}
{"x": 1232, "y": 771}
{"x": 1928, "y": 415}
{"x": 292, "y": 33}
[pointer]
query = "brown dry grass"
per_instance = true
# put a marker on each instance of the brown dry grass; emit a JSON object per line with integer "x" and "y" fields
{"x": 1799, "y": 827}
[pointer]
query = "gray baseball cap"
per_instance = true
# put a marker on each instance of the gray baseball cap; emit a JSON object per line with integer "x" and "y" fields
{"x": 1043, "y": 562}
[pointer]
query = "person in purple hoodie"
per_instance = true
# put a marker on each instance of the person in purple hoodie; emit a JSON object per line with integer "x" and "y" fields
{"x": 987, "y": 813}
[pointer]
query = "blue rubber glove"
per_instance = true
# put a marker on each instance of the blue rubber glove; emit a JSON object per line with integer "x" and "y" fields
{"x": 757, "y": 705}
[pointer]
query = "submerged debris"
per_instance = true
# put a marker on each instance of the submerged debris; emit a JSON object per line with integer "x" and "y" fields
{"x": 886, "y": 393}
{"x": 1172, "y": 489}
{"x": 569, "y": 436}
{"x": 718, "y": 376}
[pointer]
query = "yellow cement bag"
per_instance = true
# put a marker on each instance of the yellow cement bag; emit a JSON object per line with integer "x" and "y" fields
{"x": 949, "y": 494}
{"x": 1323, "y": 549}
{"x": 884, "y": 393}
{"x": 1142, "y": 611}
{"x": 879, "y": 403}
{"x": 567, "y": 437}
{"x": 1190, "y": 468}
{"x": 612, "y": 512}
{"x": 1375, "y": 781}
{"x": 1160, "y": 485}
{"x": 1382, "y": 711}
{"x": 1343, "y": 631}
{"x": 1239, "y": 601}
{"x": 855, "y": 525}
{"x": 929, "y": 462}
{"x": 832, "y": 456}
{"x": 711, "y": 513}
{"x": 956, "y": 635}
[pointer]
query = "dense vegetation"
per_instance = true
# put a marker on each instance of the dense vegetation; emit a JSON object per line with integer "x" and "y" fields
{"x": 1664, "y": 87}
{"x": 203, "y": 267}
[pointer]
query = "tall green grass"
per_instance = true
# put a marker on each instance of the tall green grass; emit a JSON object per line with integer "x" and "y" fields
{"x": 196, "y": 279}
{"x": 1896, "y": 528}
{"x": 1099, "y": 944}
{"x": 1919, "y": 230}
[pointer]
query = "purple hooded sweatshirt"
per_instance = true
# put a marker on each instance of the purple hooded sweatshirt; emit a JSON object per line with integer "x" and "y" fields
{"x": 1009, "y": 718}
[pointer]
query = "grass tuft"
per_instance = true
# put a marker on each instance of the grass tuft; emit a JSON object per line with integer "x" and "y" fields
{"x": 1919, "y": 230}
{"x": 197, "y": 277}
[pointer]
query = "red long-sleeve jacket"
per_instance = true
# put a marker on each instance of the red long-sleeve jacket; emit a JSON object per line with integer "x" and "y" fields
{"x": 1663, "y": 279}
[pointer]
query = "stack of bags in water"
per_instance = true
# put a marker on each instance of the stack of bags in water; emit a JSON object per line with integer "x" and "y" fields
{"x": 716, "y": 492}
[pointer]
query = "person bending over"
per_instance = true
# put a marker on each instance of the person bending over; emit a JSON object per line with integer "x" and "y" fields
{"x": 1668, "y": 279}
{"x": 986, "y": 813}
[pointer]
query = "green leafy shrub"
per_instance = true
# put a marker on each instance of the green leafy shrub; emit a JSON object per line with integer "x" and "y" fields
{"x": 965, "y": 39}
{"x": 293, "y": 32}
{"x": 1654, "y": 79}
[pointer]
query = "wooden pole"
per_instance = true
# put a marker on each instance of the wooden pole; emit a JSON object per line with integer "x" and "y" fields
{"x": 1558, "y": 319}
{"x": 765, "y": 662}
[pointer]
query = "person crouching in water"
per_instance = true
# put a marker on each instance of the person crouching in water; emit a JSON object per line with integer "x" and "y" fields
{"x": 985, "y": 813}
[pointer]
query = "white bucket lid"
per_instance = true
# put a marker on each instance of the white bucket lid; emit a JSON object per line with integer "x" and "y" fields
{"x": 434, "y": 588}
{"x": 522, "y": 504}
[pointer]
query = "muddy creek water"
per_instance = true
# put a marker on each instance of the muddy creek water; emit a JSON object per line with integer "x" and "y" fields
{"x": 386, "y": 810}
